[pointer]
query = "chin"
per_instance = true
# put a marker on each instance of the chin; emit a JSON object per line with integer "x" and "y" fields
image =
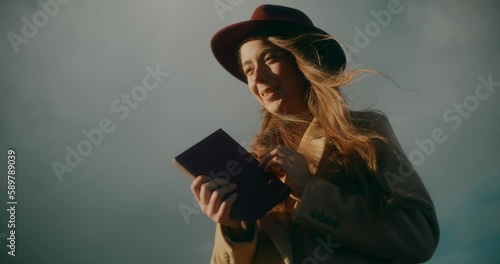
{"x": 277, "y": 111}
{"x": 275, "y": 107}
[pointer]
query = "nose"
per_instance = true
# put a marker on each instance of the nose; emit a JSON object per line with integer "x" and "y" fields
{"x": 261, "y": 74}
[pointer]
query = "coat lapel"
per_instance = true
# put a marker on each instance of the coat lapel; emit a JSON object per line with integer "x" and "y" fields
{"x": 313, "y": 137}
{"x": 279, "y": 236}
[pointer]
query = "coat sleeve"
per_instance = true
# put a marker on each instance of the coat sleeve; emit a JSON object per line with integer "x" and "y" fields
{"x": 406, "y": 231}
{"x": 227, "y": 251}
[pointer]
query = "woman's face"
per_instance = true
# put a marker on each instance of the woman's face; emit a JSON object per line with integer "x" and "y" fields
{"x": 273, "y": 77}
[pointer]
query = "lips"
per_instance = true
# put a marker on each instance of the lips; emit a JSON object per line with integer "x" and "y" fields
{"x": 268, "y": 92}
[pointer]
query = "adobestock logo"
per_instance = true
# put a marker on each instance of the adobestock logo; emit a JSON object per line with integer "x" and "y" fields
{"x": 40, "y": 19}
{"x": 95, "y": 136}
{"x": 223, "y": 6}
{"x": 381, "y": 19}
{"x": 328, "y": 246}
{"x": 454, "y": 117}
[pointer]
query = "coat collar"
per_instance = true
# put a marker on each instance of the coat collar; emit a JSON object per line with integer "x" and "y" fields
{"x": 314, "y": 137}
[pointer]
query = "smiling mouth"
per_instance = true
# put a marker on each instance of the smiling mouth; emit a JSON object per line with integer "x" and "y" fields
{"x": 268, "y": 92}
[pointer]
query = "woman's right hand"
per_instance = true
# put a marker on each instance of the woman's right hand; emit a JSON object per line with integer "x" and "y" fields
{"x": 216, "y": 198}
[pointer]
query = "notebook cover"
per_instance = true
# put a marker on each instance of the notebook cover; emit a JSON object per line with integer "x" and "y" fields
{"x": 219, "y": 155}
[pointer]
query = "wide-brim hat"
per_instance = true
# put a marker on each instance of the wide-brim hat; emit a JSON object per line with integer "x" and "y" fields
{"x": 280, "y": 21}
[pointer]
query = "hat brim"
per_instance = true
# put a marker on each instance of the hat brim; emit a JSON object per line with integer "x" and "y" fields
{"x": 227, "y": 41}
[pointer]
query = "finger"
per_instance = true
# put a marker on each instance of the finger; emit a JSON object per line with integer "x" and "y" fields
{"x": 209, "y": 187}
{"x": 206, "y": 191}
{"x": 286, "y": 150}
{"x": 226, "y": 206}
{"x": 288, "y": 153}
{"x": 196, "y": 185}
{"x": 218, "y": 196}
{"x": 266, "y": 154}
{"x": 268, "y": 164}
{"x": 277, "y": 161}
{"x": 273, "y": 153}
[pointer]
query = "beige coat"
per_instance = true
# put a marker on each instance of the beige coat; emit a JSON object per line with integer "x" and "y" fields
{"x": 332, "y": 226}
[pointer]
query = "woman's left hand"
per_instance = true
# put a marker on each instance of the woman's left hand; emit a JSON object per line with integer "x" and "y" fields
{"x": 292, "y": 163}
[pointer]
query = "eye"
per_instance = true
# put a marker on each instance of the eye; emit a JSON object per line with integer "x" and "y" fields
{"x": 271, "y": 57}
{"x": 248, "y": 70}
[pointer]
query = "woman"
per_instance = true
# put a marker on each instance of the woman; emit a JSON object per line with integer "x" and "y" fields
{"x": 355, "y": 196}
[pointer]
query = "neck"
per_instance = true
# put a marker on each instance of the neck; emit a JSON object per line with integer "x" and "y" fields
{"x": 299, "y": 128}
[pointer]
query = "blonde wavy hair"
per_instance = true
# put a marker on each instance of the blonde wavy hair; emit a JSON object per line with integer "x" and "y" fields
{"x": 351, "y": 147}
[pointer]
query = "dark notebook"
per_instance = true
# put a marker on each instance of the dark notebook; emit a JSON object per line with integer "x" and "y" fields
{"x": 219, "y": 155}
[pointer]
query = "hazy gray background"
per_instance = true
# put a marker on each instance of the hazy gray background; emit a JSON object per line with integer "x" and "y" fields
{"x": 121, "y": 204}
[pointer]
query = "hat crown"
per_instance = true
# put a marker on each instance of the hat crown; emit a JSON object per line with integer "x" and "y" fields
{"x": 280, "y": 21}
{"x": 275, "y": 12}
